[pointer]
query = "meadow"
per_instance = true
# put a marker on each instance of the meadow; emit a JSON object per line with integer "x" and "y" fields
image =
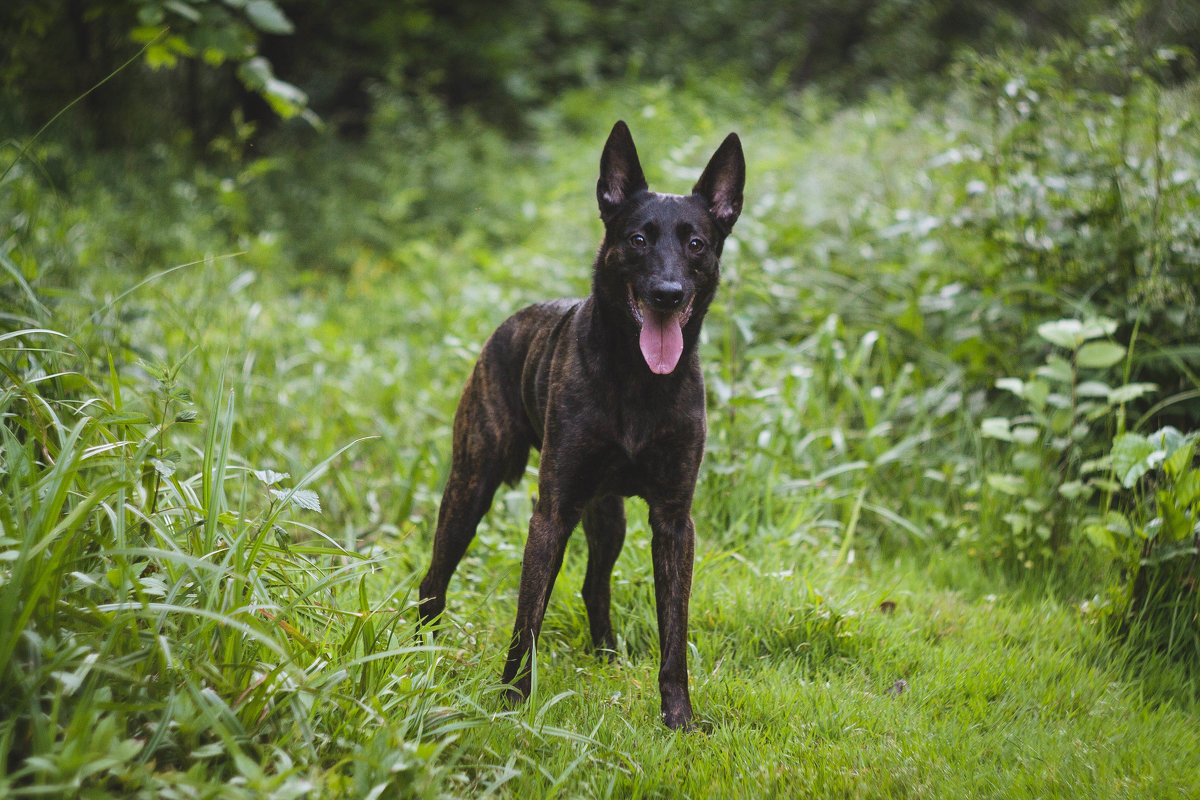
{"x": 946, "y": 521}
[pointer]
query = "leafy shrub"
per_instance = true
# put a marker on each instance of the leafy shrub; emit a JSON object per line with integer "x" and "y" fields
{"x": 1056, "y": 447}
{"x": 1155, "y": 540}
{"x": 1085, "y": 182}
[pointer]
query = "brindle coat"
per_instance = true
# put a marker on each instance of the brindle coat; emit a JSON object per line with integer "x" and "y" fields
{"x": 567, "y": 377}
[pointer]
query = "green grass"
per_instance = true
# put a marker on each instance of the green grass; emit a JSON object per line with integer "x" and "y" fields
{"x": 178, "y": 619}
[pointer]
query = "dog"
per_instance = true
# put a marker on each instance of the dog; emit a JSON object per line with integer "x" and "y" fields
{"x": 609, "y": 389}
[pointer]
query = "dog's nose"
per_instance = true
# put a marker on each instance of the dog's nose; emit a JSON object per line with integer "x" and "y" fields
{"x": 667, "y": 295}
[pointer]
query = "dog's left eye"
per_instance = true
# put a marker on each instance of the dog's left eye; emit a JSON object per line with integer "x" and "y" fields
{"x": 637, "y": 240}
{"x": 695, "y": 246}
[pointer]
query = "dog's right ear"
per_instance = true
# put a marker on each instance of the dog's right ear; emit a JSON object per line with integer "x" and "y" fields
{"x": 620, "y": 172}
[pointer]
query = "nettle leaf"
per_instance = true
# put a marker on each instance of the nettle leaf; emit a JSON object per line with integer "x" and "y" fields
{"x": 187, "y": 416}
{"x": 270, "y": 477}
{"x": 304, "y": 498}
{"x": 1099, "y": 354}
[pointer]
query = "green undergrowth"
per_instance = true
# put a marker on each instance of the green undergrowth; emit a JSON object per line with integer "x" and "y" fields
{"x": 226, "y": 400}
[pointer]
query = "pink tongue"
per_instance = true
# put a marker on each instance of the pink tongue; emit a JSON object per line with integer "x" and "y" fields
{"x": 661, "y": 341}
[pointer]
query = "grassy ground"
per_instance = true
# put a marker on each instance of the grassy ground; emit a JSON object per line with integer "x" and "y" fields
{"x": 179, "y": 618}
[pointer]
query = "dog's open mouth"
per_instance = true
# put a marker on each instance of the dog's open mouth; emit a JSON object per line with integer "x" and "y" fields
{"x": 661, "y": 338}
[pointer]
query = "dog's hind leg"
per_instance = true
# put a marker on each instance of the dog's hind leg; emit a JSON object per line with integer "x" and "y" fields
{"x": 491, "y": 446}
{"x": 604, "y": 526}
{"x": 465, "y": 501}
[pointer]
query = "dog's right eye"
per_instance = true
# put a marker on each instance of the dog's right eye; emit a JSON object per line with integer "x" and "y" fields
{"x": 637, "y": 240}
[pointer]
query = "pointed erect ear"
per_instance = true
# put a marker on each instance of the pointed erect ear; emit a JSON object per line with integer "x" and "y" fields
{"x": 722, "y": 182}
{"x": 620, "y": 172}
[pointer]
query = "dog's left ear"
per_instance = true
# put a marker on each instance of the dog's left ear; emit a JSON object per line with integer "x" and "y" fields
{"x": 722, "y": 183}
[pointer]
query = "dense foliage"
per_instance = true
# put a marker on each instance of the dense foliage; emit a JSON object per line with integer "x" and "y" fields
{"x": 950, "y": 510}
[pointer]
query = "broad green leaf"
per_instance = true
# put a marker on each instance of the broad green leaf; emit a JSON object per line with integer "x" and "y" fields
{"x": 285, "y": 99}
{"x": 1130, "y": 391}
{"x": 1093, "y": 389}
{"x": 1177, "y": 523}
{"x": 1062, "y": 332}
{"x": 1119, "y": 524}
{"x": 1187, "y": 488}
{"x": 1025, "y": 434}
{"x": 1058, "y": 400}
{"x": 267, "y": 17}
{"x": 1095, "y": 327}
{"x": 1014, "y": 385}
{"x": 1100, "y": 354}
{"x": 1027, "y": 460}
{"x": 1056, "y": 368}
{"x": 1071, "y": 333}
{"x": 182, "y": 9}
{"x": 1179, "y": 461}
{"x": 996, "y": 428}
{"x": 1168, "y": 438}
{"x": 1131, "y": 453}
{"x": 1100, "y": 537}
{"x": 1036, "y": 393}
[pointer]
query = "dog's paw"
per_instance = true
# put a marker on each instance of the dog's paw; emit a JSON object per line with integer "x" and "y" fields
{"x": 512, "y": 697}
{"x": 679, "y": 719}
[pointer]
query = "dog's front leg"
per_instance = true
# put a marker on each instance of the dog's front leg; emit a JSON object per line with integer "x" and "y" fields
{"x": 673, "y": 547}
{"x": 549, "y": 529}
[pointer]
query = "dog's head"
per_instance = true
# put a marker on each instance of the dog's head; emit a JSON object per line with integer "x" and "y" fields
{"x": 659, "y": 263}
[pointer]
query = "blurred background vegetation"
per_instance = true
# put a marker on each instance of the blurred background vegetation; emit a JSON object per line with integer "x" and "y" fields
{"x": 501, "y": 61}
{"x": 956, "y": 349}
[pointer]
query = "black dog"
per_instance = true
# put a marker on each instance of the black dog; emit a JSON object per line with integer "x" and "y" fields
{"x": 609, "y": 388}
